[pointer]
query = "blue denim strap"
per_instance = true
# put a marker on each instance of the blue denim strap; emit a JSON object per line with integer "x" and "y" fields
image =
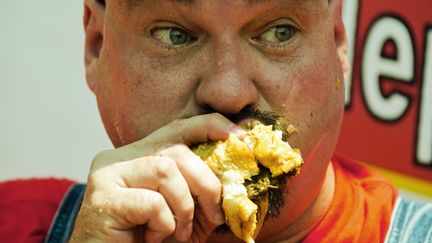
{"x": 411, "y": 222}
{"x": 62, "y": 225}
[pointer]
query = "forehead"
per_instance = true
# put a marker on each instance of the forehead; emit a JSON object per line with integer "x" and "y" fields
{"x": 194, "y": 3}
{"x": 207, "y": 8}
{"x": 207, "y": 14}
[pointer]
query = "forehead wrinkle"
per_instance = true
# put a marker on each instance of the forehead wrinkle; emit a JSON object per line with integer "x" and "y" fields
{"x": 185, "y": 2}
{"x": 194, "y": 2}
{"x": 132, "y": 3}
{"x": 253, "y": 2}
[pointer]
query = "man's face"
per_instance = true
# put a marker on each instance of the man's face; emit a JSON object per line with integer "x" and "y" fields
{"x": 164, "y": 60}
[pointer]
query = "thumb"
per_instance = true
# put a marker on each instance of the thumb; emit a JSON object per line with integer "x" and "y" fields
{"x": 196, "y": 129}
{"x": 187, "y": 131}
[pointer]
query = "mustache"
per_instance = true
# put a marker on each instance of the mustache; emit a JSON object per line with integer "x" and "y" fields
{"x": 265, "y": 117}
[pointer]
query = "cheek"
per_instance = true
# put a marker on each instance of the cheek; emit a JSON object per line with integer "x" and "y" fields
{"x": 308, "y": 95}
{"x": 141, "y": 95}
{"x": 151, "y": 101}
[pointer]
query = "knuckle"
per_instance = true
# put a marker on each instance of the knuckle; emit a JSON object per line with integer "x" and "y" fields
{"x": 157, "y": 203}
{"x": 186, "y": 211}
{"x": 170, "y": 229}
{"x": 99, "y": 156}
{"x": 99, "y": 177}
{"x": 98, "y": 200}
{"x": 138, "y": 164}
{"x": 180, "y": 148}
{"x": 208, "y": 118}
{"x": 165, "y": 168}
{"x": 213, "y": 187}
{"x": 103, "y": 158}
{"x": 94, "y": 179}
{"x": 216, "y": 121}
{"x": 216, "y": 116}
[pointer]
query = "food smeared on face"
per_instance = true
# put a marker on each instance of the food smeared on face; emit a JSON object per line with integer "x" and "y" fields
{"x": 338, "y": 83}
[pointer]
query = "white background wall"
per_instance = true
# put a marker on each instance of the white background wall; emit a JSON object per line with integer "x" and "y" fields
{"x": 49, "y": 124}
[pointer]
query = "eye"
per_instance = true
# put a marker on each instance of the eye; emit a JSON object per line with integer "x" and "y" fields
{"x": 278, "y": 34}
{"x": 172, "y": 36}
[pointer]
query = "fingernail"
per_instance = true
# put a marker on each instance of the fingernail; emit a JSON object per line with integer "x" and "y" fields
{"x": 237, "y": 130}
{"x": 187, "y": 231}
{"x": 219, "y": 217}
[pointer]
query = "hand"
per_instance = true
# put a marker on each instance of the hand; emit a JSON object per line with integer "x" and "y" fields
{"x": 146, "y": 190}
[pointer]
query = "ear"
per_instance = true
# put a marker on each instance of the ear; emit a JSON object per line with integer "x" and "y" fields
{"x": 94, "y": 14}
{"x": 340, "y": 35}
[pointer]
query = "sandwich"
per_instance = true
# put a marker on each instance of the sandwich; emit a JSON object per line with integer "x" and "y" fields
{"x": 247, "y": 168}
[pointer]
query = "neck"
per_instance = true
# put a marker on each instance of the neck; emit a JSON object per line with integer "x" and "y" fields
{"x": 304, "y": 225}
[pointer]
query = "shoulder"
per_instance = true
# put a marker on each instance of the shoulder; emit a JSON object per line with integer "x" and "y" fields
{"x": 411, "y": 222}
{"x": 47, "y": 189}
{"x": 363, "y": 177}
{"x": 28, "y": 207}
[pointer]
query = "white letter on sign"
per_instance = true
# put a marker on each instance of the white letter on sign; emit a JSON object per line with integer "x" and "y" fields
{"x": 424, "y": 129}
{"x": 350, "y": 12}
{"x": 374, "y": 65}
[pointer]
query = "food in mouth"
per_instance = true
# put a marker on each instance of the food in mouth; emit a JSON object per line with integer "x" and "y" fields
{"x": 247, "y": 167}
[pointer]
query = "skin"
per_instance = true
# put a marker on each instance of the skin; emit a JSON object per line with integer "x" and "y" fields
{"x": 156, "y": 99}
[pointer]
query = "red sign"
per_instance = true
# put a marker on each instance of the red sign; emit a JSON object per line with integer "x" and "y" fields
{"x": 388, "y": 118}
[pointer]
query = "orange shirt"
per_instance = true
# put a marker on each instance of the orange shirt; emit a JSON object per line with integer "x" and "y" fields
{"x": 361, "y": 209}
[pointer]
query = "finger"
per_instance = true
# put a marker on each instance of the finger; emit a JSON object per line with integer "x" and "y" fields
{"x": 188, "y": 131}
{"x": 203, "y": 183}
{"x": 132, "y": 206}
{"x": 203, "y": 128}
{"x": 161, "y": 174}
{"x": 196, "y": 129}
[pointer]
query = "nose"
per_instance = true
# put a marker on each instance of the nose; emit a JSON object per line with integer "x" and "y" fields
{"x": 227, "y": 87}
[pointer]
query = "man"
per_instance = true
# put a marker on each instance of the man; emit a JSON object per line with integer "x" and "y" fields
{"x": 152, "y": 63}
{"x": 168, "y": 74}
